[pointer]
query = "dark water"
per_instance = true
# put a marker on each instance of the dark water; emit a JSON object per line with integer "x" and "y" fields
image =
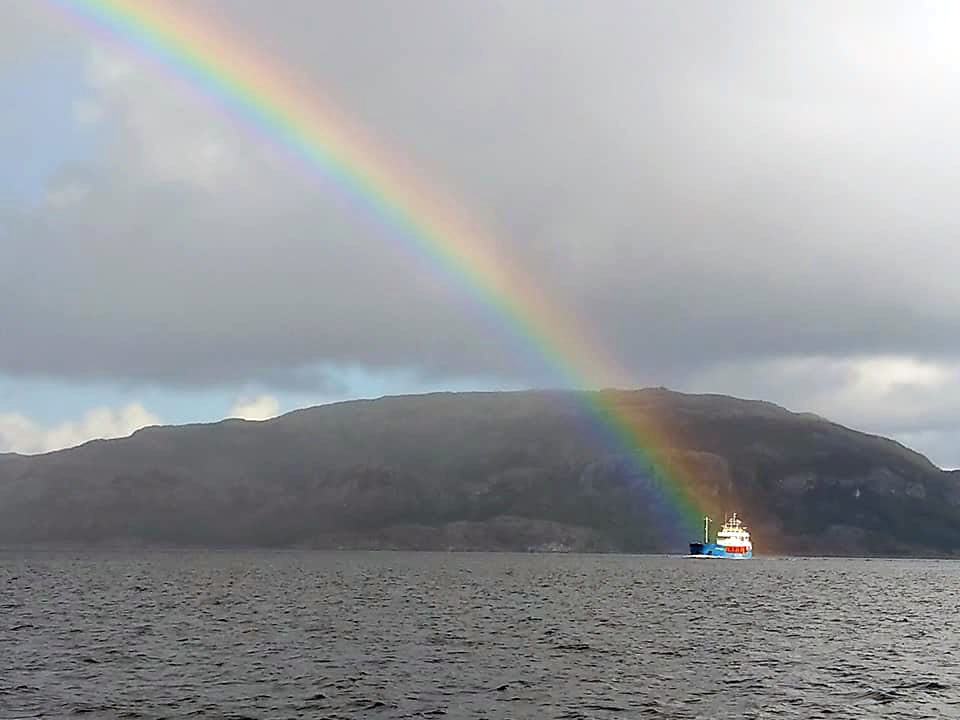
{"x": 395, "y": 635}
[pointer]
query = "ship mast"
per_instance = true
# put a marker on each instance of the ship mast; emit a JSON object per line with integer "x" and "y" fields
{"x": 706, "y": 529}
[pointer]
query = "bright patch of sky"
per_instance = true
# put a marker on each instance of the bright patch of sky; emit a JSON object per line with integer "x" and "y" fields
{"x": 51, "y": 128}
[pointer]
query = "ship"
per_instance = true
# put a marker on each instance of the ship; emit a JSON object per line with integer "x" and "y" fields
{"x": 733, "y": 541}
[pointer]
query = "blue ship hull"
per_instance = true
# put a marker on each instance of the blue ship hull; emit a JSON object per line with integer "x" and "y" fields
{"x": 716, "y": 551}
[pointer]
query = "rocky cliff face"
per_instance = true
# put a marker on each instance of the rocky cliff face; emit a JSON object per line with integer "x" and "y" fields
{"x": 487, "y": 471}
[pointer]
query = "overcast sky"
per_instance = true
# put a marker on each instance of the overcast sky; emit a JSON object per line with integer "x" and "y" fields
{"x": 754, "y": 198}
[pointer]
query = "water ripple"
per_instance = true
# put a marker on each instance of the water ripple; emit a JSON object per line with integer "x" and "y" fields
{"x": 392, "y": 635}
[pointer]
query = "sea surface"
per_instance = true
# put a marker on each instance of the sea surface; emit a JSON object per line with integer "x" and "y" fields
{"x": 461, "y": 635}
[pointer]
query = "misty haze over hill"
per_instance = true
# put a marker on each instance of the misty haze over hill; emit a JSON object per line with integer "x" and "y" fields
{"x": 512, "y": 470}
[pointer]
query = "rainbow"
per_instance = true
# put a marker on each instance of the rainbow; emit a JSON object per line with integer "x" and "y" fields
{"x": 271, "y": 103}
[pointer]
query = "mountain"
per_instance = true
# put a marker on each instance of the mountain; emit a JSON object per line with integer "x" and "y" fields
{"x": 510, "y": 470}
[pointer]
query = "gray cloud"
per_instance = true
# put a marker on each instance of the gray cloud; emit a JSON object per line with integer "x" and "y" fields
{"x": 714, "y": 190}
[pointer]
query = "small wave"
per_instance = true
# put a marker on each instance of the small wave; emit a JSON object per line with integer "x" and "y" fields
{"x": 606, "y": 708}
{"x": 882, "y": 697}
{"x": 86, "y": 709}
{"x": 932, "y": 685}
{"x": 506, "y": 685}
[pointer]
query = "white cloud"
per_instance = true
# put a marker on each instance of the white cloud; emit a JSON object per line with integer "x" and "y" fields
{"x": 262, "y": 407}
{"x": 64, "y": 196}
{"x": 177, "y": 138}
{"x": 87, "y": 112}
{"x": 885, "y": 374}
{"x": 105, "y": 69}
{"x": 19, "y": 433}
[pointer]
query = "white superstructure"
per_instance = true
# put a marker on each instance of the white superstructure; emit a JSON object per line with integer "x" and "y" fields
{"x": 733, "y": 537}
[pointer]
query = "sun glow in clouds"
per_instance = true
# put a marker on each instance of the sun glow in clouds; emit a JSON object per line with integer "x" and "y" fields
{"x": 262, "y": 407}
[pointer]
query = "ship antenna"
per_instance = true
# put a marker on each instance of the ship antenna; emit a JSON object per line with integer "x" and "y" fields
{"x": 706, "y": 529}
